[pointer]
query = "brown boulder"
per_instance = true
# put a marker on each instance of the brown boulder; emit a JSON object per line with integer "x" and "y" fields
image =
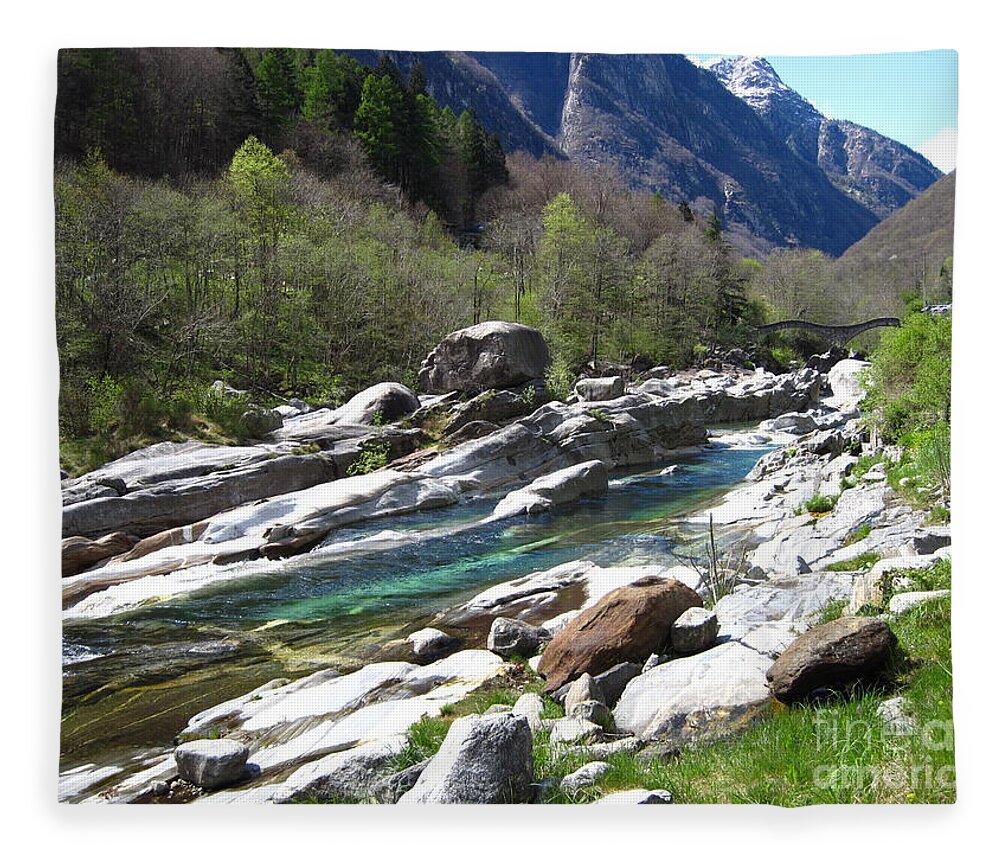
{"x": 626, "y": 625}
{"x": 831, "y": 655}
{"x": 79, "y": 553}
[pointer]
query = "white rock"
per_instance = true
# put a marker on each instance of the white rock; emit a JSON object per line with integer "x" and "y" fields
{"x": 701, "y": 697}
{"x": 570, "y": 730}
{"x": 694, "y": 630}
{"x": 900, "y": 603}
{"x": 588, "y": 479}
{"x": 585, "y": 777}
{"x": 637, "y": 796}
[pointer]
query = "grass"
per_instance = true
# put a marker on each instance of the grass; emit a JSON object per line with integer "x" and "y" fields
{"x": 865, "y": 561}
{"x": 831, "y": 612}
{"x": 859, "y": 534}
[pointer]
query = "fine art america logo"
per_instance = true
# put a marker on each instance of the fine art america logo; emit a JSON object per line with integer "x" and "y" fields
{"x": 852, "y": 738}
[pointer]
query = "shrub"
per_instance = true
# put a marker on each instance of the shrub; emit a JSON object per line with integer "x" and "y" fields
{"x": 374, "y": 455}
{"x": 821, "y": 504}
{"x": 559, "y": 379}
{"x": 934, "y": 578}
{"x": 908, "y": 387}
{"x": 226, "y": 411}
{"x": 105, "y": 399}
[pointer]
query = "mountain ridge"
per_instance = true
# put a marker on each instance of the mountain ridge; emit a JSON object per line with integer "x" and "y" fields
{"x": 730, "y": 138}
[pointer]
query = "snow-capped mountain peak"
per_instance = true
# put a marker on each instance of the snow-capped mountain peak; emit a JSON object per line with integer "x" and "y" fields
{"x": 754, "y": 81}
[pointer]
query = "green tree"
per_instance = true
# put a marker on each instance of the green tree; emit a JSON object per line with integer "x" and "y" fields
{"x": 378, "y": 123}
{"x": 584, "y": 268}
{"x": 277, "y": 87}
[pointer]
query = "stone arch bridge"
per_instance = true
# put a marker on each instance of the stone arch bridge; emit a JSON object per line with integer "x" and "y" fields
{"x": 839, "y": 334}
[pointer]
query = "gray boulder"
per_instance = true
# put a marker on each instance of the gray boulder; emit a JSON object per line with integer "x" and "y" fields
{"x": 593, "y": 712}
{"x": 600, "y": 388}
{"x": 378, "y": 404}
{"x": 583, "y": 689}
{"x": 509, "y": 637}
{"x": 694, "y": 631}
{"x": 431, "y": 643}
{"x": 258, "y": 422}
{"x": 489, "y": 355}
{"x": 613, "y": 682}
{"x": 484, "y": 759}
{"x": 212, "y": 763}
{"x": 530, "y": 706}
{"x": 796, "y": 423}
{"x": 573, "y": 730}
{"x": 390, "y": 788}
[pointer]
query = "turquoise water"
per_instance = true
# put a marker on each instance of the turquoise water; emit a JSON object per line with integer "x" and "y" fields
{"x": 317, "y": 609}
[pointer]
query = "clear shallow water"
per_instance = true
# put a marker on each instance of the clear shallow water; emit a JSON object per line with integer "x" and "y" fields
{"x": 135, "y": 679}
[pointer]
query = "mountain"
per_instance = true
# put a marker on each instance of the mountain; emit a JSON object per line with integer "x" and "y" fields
{"x": 880, "y": 173}
{"x": 671, "y": 127}
{"x": 732, "y": 139}
{"x": 459, "y": 80}
{"x": 909, "y": 251}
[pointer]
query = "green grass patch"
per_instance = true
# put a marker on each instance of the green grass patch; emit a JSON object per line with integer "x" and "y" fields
{"x": 859, "y": 534}
{"x": 865, "y": 561}
{"x": 831, "y": 612}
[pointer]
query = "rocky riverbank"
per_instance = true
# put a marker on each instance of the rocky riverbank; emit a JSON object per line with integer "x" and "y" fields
{"x": 632, "y": 652}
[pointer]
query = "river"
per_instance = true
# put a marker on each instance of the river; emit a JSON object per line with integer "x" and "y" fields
{"x": 132, "y": 680}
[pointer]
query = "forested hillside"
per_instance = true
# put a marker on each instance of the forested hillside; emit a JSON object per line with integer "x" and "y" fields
{"x": 299, "y": 224}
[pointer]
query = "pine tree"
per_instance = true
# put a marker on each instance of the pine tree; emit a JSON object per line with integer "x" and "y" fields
{"x": 277, "y": 87}
{"x": 378, "y": 123}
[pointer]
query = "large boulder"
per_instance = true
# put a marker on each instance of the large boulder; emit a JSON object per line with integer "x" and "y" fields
{"x": 258, "y": 422}
{"x": 844, "y": 379}
{"x": 626, "y": 625}
{"x": 484, "y": 759}
{"x": 432, "y": 644}
{"x": 700, "y": 698}
{"x": 489, "y": 355}
{"x": 212, "y": 763}
{"x": 831, "y": 655}
{"x": 588, "y": 480}
{"x": 378, "y": 404}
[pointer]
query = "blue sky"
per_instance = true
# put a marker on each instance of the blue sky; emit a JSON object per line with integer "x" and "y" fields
{"x": 911, "y": 97}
